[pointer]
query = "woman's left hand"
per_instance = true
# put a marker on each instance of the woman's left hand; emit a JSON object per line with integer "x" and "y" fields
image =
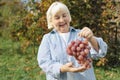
{"x": 86, "y": 33}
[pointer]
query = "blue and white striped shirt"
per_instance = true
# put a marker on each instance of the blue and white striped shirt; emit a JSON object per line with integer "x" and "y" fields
{"x": 52, "y": 55}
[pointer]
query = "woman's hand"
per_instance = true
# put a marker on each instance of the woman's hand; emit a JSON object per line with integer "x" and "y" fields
{"x": 86, "y": 33}
{"x": 68, "y": 67}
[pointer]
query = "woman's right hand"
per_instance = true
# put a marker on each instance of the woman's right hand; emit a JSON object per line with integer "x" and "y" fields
{"x": 68, "y": 67}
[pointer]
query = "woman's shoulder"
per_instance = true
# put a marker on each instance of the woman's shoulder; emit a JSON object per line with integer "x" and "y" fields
{"x": 47, "y": 35}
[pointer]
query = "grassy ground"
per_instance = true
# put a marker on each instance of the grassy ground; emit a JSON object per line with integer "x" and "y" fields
{"x": 102, "y": 74}
{"x": 15, "y": 65}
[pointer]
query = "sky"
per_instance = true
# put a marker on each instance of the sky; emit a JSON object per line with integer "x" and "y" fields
{"x": 26, "y": 1}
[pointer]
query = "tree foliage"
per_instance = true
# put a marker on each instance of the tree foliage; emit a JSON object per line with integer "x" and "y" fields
{"x": 27, "y": 22}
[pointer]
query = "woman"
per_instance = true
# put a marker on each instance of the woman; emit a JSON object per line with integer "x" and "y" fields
{"x": 52, "y": 56}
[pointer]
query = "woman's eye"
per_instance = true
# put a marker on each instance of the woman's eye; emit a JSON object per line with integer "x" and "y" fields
{"x": 56, "y": 17}
{"x": 64, "y": 15}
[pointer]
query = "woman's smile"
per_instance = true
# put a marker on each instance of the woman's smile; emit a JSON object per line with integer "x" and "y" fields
{"x": 63, "y": 25}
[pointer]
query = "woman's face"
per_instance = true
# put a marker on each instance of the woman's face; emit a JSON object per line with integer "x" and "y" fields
{"x": 61, "y": 21}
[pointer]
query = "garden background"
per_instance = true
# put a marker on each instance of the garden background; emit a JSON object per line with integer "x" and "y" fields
{"x": 23, "y": 23}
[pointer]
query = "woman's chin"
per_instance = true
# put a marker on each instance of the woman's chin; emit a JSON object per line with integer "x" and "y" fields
{"x": 64, "y": 30}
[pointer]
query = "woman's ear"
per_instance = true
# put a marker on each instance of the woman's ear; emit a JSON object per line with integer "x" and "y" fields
{"x": 70, "y": 19}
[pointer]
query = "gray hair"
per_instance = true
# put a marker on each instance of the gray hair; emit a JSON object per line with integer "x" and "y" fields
{"x": 49, "y": 13}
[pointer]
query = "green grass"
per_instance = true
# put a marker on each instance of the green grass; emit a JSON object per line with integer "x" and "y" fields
{"x": 15, "y": 65}
{"x": 18, "y": 66}
{"x": 112, "y": 74}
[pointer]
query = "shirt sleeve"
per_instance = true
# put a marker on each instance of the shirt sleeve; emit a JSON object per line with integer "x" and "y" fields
{"x": 49, "y": 66}
{"x": 102, "y": 51}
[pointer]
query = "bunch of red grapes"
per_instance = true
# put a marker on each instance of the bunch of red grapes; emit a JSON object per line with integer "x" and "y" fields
{"x": 80, "y": 50}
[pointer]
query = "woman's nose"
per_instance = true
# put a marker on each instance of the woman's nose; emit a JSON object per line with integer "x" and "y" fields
{"x": 61, "y": 19}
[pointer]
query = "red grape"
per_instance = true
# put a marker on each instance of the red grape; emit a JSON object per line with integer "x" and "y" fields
{"x": 86, "y": 51}
{"x": 81, "y": 45}
{"x": 73, "y": 48}
{"x": 72, "y": 42}
{"x": 78, "y": 49}
{"x": 85, "y": 42}
{"x": 77, "y": 53}
{"x": 69, "y": 52}
{"x": 80, "y": 57}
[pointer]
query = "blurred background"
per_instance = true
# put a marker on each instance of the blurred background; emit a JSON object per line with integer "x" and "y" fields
{"x": 23, "y": 23}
